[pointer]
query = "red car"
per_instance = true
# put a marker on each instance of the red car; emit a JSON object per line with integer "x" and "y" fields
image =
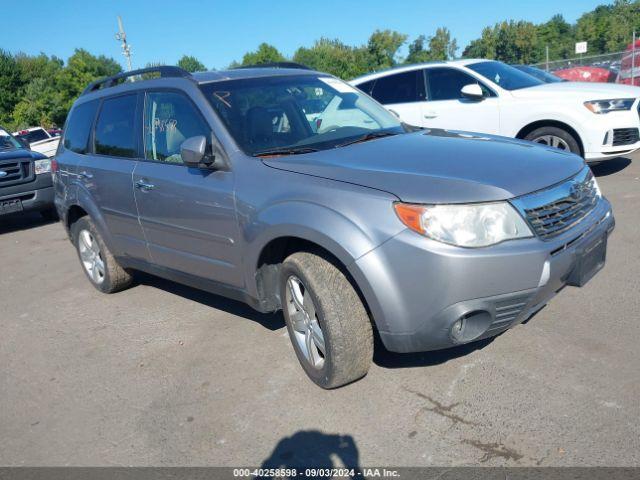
{"x": 586, "y": 74}
{"x": 626, "y": 65}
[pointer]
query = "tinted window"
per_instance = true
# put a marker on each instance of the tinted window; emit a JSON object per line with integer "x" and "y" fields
{"x": 115, "y": 128}
{"x": 76, "y": 134}
{"x": 170, "y": 118}
{"x": 34, "y": 136}
{"x": 400, "y": 88}
{"x": 446, "y": 83}
{"x": 367, "y": 87}
{"x": 505, "y": 75}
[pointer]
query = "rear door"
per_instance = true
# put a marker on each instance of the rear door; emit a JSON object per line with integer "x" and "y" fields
{"x": 188, "y": 214}
{"x": 106, "y": 173}
{"x": 401, "y": 93}
{"x": 447, "y": 108}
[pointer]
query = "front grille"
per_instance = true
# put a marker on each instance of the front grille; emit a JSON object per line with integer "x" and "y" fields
{"x": 558, "y": 209}
{"x": 625, "y": 136}
{"x": 15, "y": 171}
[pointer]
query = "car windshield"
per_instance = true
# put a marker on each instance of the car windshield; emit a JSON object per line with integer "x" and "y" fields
{"x": 7, "y": 142}
{"x": 539, "y": 74}
{"x": 505, "y": 75}
{"x": 297, "y": 113}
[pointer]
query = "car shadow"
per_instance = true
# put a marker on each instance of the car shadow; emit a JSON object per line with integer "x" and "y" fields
{"x": 270, "y": 321}
{"x": 314, "y": 449}
{"x": 22, "y": 221}
{"x": 386, "y": 359}
{"x": 609, "y": 167}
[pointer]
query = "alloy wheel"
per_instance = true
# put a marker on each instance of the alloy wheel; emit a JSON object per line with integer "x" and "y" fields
{"x": 304, "y": 320}
{"x": 91, "y": 256}
{"x": 553, "y": 141}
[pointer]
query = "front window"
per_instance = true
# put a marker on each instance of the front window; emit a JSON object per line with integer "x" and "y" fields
{"x": 7, "y": 142}
{"x": 505, "y": 75}
{"x": 296, "y": 113}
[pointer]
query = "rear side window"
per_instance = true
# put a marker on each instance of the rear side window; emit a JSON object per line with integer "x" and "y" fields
{"x": 76, "y": 133}
{"x": 115, "y": 133}
{"x": 403, "y": 87}
{"x": 367, "y": 87}
{"x": 447, "y": 83}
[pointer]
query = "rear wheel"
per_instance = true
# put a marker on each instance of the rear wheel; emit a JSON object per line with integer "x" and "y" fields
{"x": 101, "y": 268}
{"x": 555, "y": 137}
{"x": 327, "y": 322}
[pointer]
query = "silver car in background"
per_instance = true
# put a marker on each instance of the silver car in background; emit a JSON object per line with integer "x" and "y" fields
{"x": 344, "y": 218}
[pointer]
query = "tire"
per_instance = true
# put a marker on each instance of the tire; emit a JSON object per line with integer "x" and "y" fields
{"x": 555, "y": 137}
{"x": 106, "y": 275}
{"x": 49, "y": 215}
{"x": 345, "y": 328}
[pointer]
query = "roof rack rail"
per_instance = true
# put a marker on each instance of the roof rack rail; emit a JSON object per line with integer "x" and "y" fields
{"x": 277, "y": 65}
{"x": 164, "y": 71}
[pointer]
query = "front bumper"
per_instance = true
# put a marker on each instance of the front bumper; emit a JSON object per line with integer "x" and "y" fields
{"x": 417, "y": 288}
{"x": 35, "y": 195}
{"x": 604, "y": 136}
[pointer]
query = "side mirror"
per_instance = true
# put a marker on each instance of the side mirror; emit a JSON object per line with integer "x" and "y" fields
{"x": 472, "y": 92}
{"x": 192, "y": 150}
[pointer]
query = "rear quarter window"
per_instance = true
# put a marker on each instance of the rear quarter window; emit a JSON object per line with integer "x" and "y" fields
{"x": 76, "y": 133}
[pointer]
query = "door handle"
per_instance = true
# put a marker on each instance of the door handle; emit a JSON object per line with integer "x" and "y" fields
{"x": 431, "y": 115}
{"x": 144, "y": 186}
{"x": 86, "y": 175}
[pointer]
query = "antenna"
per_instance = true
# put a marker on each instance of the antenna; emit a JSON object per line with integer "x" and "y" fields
{"x": 121, "y": 36}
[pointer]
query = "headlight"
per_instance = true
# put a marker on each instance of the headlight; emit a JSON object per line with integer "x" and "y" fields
{"x": 42, "y": 166}
{"x": 613, "y": 105}
{"x": 470, "y": 225}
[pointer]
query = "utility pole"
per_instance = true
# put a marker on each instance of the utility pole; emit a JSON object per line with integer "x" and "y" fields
{"x": 546, "y": 48}
{"x": 633, "y": 59}
{"x": 121, "y": 36}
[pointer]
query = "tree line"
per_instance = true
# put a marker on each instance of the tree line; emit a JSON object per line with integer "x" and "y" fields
{"x": 40, "y": 89}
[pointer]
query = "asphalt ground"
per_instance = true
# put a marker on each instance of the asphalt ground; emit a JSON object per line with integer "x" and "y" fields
{"x": 162, "y": 374}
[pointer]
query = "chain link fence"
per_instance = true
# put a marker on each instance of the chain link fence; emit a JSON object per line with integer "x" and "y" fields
{"x": 617, "y": 67}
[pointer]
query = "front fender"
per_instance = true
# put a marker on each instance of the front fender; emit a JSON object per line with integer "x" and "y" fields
{"x": 331, "y": 229}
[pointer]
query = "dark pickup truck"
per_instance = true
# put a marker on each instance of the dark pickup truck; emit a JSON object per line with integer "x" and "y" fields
{"x": 25, "y": 179}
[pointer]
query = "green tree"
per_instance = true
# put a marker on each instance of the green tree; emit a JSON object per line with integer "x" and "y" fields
{"x": 510, "y": 42}
{"x": 383, "y": 48}
{"x": 10, "y": 84}
{"x": 191, "y": 64}
{"x": 558, "y": 35}
{"x": 442, "y": 46}
{"x": 83, "y": 68}
{"x": 334, "y": 57}
{"x": 264, "y": 54}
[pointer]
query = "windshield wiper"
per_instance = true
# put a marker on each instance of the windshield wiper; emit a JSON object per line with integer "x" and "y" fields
{"x": 365, "y": 138}
{"x": 285, "y": 151}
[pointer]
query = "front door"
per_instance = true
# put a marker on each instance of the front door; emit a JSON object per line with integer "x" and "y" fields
{"x": 447, "y": 108}
{"x": 187, "y": 214}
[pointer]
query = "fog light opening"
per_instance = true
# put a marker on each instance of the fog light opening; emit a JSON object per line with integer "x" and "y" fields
{"x": 470, "y": 326}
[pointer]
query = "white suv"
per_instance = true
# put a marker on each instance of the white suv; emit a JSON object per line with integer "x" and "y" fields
{"x": 597, "y": 121}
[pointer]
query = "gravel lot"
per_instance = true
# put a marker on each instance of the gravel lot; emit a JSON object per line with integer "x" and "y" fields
{"x": 162, "y": 374}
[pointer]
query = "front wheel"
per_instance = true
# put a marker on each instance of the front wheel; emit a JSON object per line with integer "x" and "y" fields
{"x": 554, "y": 137}
{"x": 327, "y": 323}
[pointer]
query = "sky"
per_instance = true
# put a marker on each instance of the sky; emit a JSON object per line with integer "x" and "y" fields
{"x": 218, "y": 32}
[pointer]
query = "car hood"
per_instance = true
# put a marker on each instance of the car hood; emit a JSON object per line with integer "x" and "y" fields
{"x": 20, "y": 153}
{"x": 585, "y": 90}
{"x": 440, "y": 166}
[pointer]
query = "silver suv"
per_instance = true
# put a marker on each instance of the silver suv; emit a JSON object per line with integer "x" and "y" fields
{"x": 289, "y": 189}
